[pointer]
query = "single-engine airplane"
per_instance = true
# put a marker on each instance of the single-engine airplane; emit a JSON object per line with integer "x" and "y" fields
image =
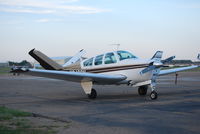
{"x": 111, "y": 68}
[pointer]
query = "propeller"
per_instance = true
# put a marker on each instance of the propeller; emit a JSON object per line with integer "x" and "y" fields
{"x": 157, "y": 63}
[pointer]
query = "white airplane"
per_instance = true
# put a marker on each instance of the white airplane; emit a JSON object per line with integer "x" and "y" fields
{"x": 111, "y": 68}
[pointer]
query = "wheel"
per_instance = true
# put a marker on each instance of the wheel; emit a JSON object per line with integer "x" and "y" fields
{"x": 93, "y": 94}
{"x": 142, "y": 90}
{"x": 153, "y": 95}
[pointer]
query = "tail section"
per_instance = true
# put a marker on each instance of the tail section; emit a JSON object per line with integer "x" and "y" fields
{"x": 157, "y": 56}
{"x": 74, "y": 59}
{"x": 44, "y": 60}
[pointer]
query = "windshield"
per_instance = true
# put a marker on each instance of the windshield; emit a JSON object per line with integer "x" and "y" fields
{"x": 125, "y": 55}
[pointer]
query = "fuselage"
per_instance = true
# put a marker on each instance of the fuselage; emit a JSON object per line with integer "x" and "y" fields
{"x": 118, "y": 63}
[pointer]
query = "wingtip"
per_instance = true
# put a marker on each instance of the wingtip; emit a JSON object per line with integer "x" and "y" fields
{"x": 31, "y": 51}
{"x": 19, "y": 70}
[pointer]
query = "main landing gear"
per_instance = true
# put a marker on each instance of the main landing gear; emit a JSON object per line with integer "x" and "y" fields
{"x": 142, "y": 90}
{"x": 93, "y": 94}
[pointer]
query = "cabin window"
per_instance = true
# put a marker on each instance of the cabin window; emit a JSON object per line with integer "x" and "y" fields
{"x": 88, "y": 62}
{"x": 125, "y": 55}
{"x": 98, "y": 60}
{"x": 110, "y": 58}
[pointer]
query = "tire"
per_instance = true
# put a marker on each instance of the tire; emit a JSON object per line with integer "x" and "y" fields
{"x": 153, "y": 95}
{"x": 93, "y": 94}
{"x": 142, "y": 90}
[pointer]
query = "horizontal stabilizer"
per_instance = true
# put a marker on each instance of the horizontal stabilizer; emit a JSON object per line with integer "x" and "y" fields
{"x": 44, "y": 60}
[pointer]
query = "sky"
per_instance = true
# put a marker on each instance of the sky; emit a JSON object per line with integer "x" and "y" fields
{"x": 63, "y": 27}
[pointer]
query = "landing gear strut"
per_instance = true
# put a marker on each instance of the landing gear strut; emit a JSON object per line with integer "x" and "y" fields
{"x": 93, "y": 94}
{"x": 142, "y": 90}
{"x": 153, "y": 94}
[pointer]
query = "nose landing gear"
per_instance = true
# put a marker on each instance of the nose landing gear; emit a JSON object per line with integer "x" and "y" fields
{"x": 153, "y": 95}
{"x": 142, "y": 90}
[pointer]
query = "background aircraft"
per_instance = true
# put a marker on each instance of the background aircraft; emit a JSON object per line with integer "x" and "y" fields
{"x": 111, "y": 68}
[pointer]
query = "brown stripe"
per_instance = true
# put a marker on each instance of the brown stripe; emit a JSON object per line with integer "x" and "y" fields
{"x": 101, "y": 70}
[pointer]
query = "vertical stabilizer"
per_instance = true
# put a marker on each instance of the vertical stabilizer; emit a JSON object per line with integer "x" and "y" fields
{"x": 157, "y": 56}
{"x": 75, "y": 58}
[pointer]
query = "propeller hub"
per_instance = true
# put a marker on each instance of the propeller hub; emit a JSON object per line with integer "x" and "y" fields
{"x": 157, "y": 63}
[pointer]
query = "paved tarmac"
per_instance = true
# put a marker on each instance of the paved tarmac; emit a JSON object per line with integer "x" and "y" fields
{"x": 117, "y": 110}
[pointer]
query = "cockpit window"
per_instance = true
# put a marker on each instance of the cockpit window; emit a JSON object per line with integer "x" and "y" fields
{"x": 125, "y": 55}
{"x": 110, "y": 58}
{"x": 88, "y": 62}
{"x": 98, "y": 60}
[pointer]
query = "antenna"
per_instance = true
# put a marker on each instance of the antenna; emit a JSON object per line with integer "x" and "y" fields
{"x": 118, "y": 45}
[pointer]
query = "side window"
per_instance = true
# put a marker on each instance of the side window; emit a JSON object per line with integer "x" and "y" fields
{"x": 88, "y": 62}
{"x": 98, "y": 60}
{"x": 110, "y": 58}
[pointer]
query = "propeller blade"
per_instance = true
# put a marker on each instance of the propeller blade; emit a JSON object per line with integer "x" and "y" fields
{"x": 150, "y": 68}
{"x": 156, "y": 63}
{"x": 168, "y": 59}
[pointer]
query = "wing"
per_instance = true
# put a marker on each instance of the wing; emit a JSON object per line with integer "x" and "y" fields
{"x": 169, "y": 71}
{"x": 73, "y": 76}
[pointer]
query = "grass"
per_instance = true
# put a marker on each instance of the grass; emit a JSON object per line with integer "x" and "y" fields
{"x": 4, "y": 70}
{"x": 7, "y": 130}
{"x": 14, "y": 122}
{"x": 7, "y": 114}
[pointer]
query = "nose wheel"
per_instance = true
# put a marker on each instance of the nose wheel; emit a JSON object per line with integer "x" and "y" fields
{"x": 93, "y": 94}
{"x": 153, "y": 95}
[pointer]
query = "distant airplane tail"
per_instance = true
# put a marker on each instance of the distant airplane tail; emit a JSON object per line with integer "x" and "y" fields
{"x": 157, "y": 55}
{"x": 198, "y": 57}
{"x": 74, "y": 59}
{"x": 45, "y": 61}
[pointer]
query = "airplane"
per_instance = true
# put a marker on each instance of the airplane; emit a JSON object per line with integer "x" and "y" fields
{"x": 112, "y": 68}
